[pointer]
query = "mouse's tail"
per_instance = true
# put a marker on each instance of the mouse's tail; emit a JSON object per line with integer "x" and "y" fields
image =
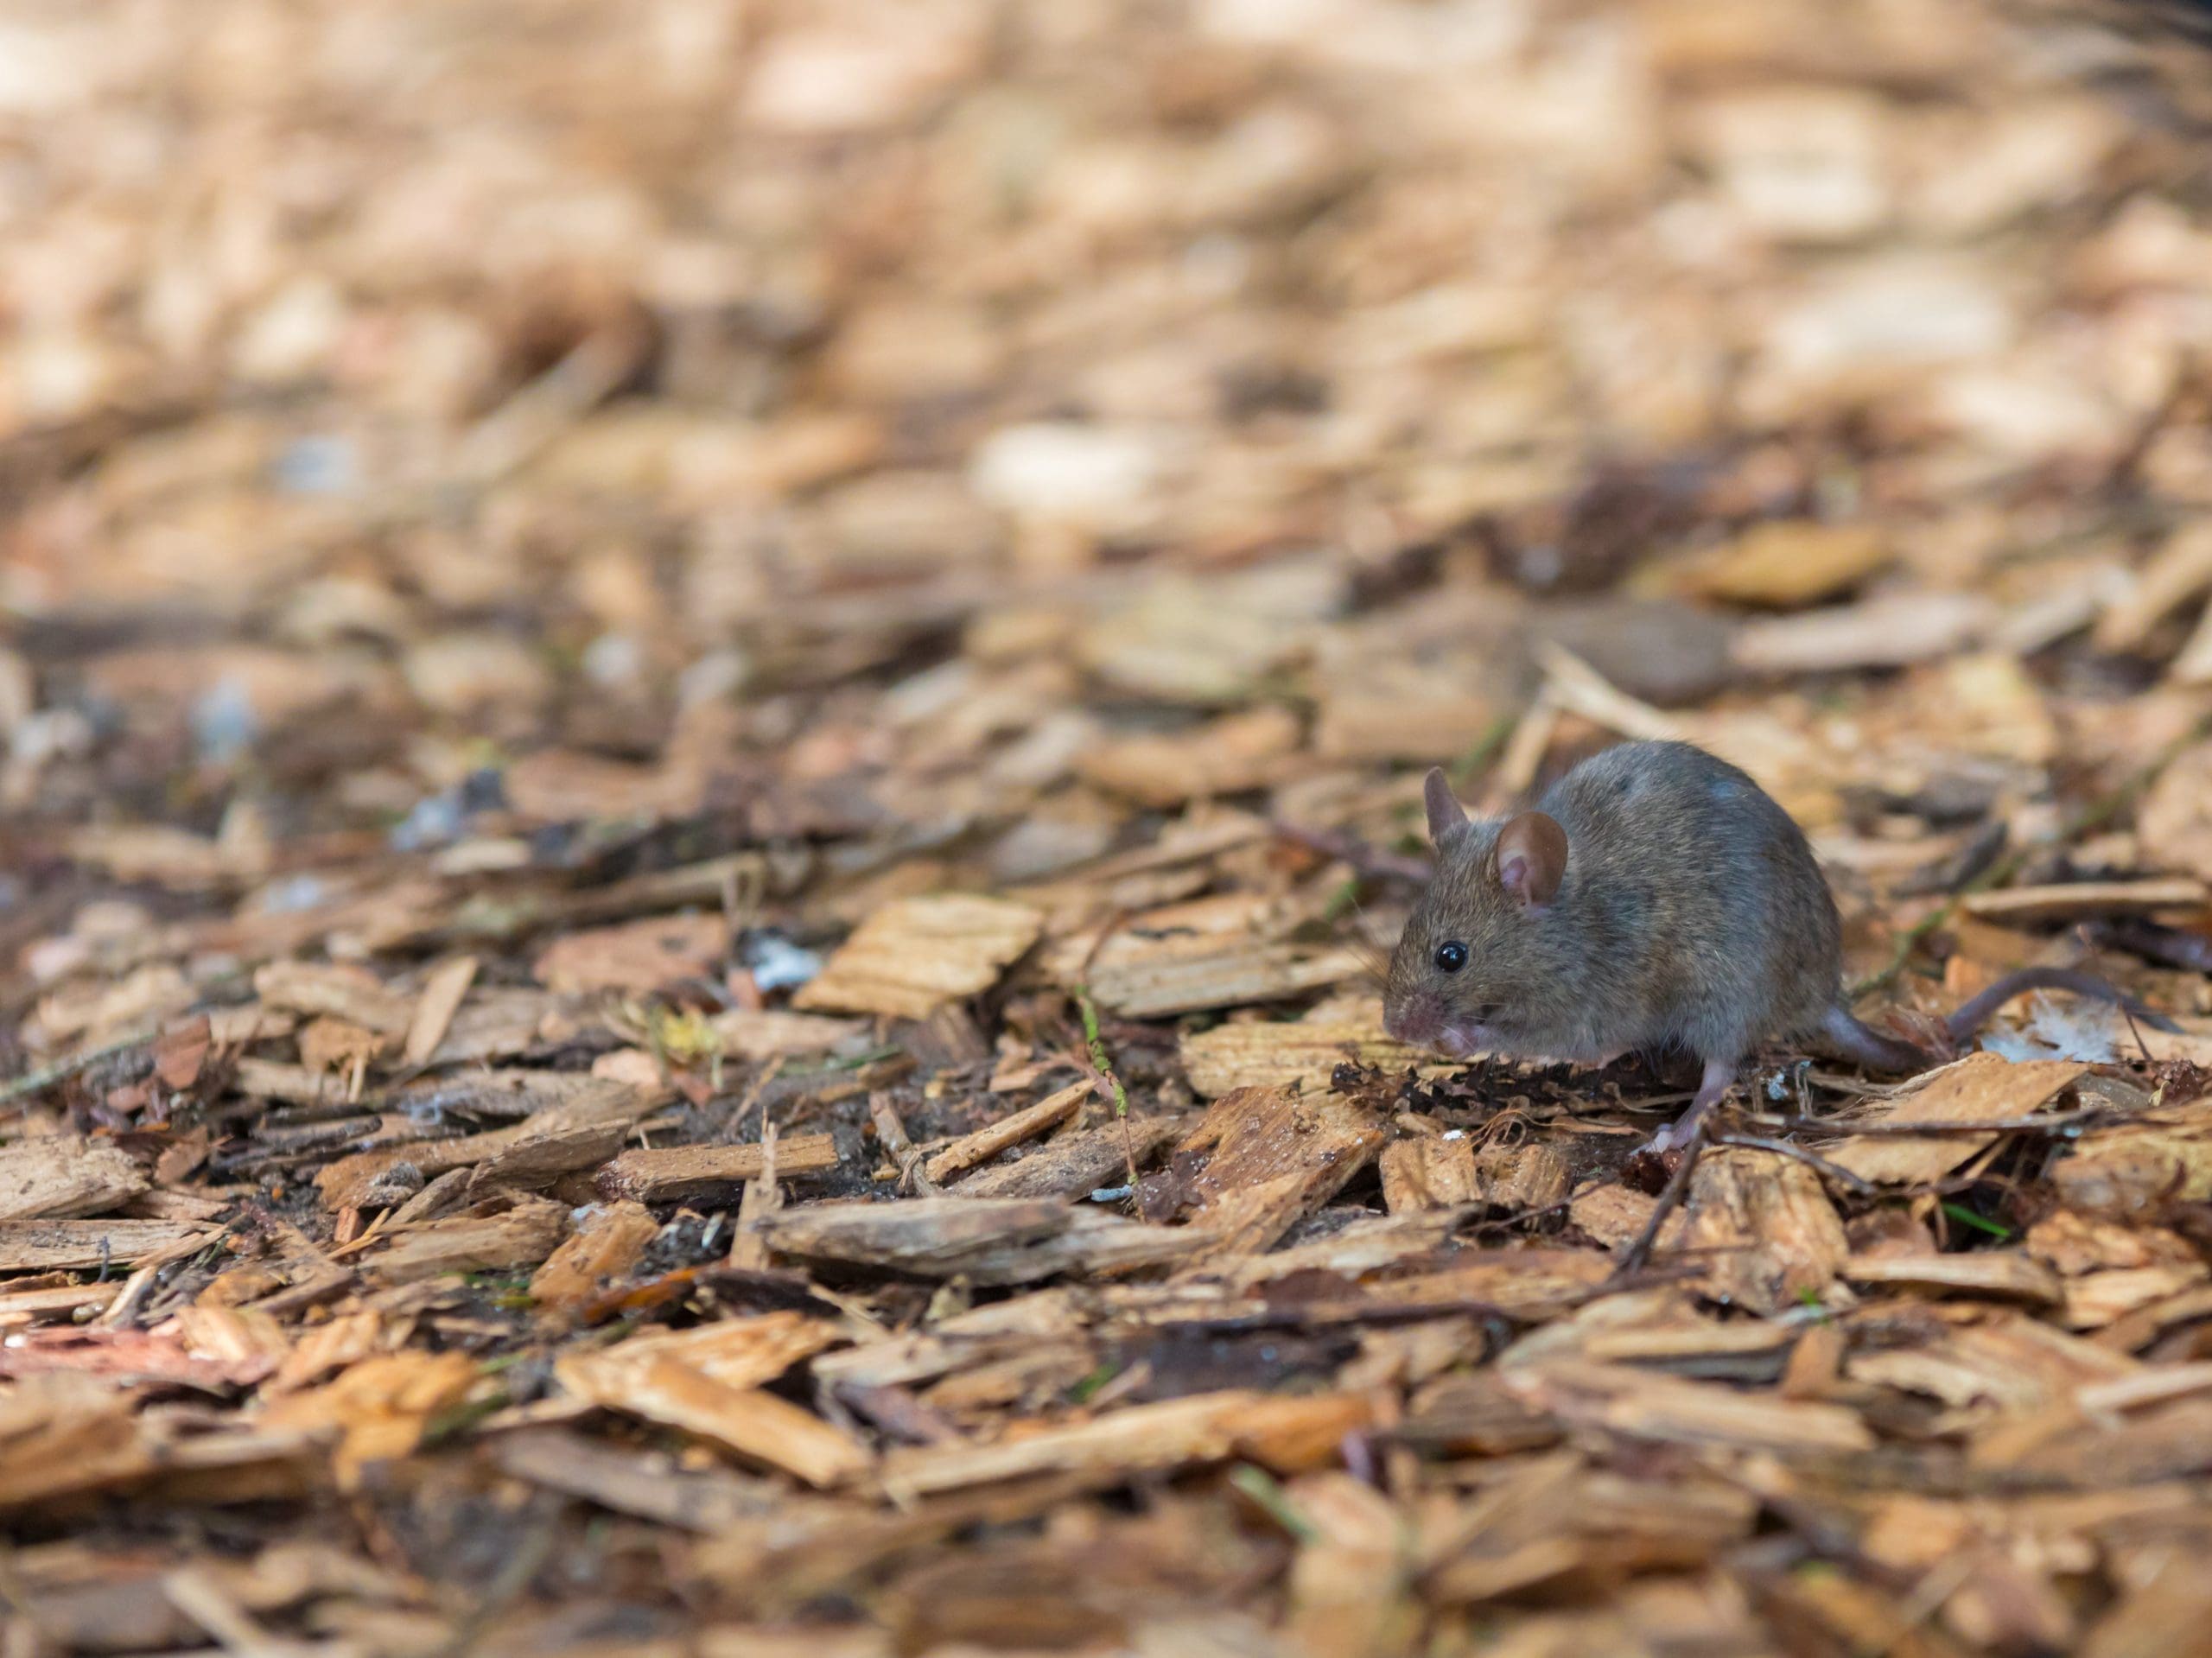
{"x": 1864, "y": 1045}
{"x": 1974, "y": 1012}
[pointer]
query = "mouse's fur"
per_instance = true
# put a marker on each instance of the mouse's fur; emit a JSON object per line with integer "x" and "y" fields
{"x": 1656, "y": 898}
{"x": 1689, "y": 911}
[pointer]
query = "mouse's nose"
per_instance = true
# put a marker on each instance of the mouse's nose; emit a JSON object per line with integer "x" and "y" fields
{"x": 1414, "y": 1019}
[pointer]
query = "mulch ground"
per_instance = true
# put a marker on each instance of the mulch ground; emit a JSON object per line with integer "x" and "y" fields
{"x": 713, "y": 716}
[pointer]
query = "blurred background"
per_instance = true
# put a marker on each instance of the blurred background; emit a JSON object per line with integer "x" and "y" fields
{"x": 977, "y": 420}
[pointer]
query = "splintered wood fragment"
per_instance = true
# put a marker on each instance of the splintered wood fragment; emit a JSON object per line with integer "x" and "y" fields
{"x": 1763, "y": 1229}
{"x": 593, "y": 1102}
{"x": 1272, "y": 1157}
{"x": 736, "y": 1352}
{"x": 64, "y": 1176}
{"x": 66, "y": 1433}
{"x": 1640, "y": 1404}
{"x": 2132, "y": 1171}
{"x": 604, "y": 1248}
{"x": 758, "y": 1425}
{"x": 523, "y": 1234}
{"x": 1474, "y": 1414}
{"x": 438, "y": 999}
{"x": 1008, "y": 1131}
{"x": 2071, "y": 900}
{"x": 1078, "y": 1163}
{"x": 540, "y": 1157}
{"x": 1427, "y": 1173}
{"x": 352, "y": 993}
{"x": 1521, "y": 1283}
{"x": 677, "y": 1173}
{"x": 1981, "y": 1088}
{"x": 1263, "y": 1054}
{"x": 646, "y": 1483}
{"x": 2003, "y": 1272}
{"x": 915, "y": 955}
{"x": 22, "y": 1307}
{"x": 770, "y": 1033}
{"x": 379, "y": 1408}
{"x": 1285, "y": 1433}
{"x": 1614, "y": 1216}
{"x": 1234, "y": 973}
{"x": 988, "y": 1241}
{"x": 79, "y": 1245}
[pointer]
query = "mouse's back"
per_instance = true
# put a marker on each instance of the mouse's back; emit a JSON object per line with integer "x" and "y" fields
{"x": 1696, "y": 897}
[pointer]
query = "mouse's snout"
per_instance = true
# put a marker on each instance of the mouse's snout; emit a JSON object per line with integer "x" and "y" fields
{"x": 1418, "y": 1019}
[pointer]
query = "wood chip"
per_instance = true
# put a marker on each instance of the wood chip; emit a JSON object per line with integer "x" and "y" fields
{"x": 58, "y": 1175}
{"x": 79, "y": 1246}
{"x": 1979, "y": 1088}
{"x": 1281, "y": 1432}
{"x": 910, "y": 957}
{"x": 682, "y": 1173}
{"x": 1007, "y": 1132}
{"x": 2075, "y": 900}
{"x": 440, "y": 999}
{"x": 1271, "y": 1157}
{"x": 603, "y": 1247}
{"x": 2003, "y": 1273}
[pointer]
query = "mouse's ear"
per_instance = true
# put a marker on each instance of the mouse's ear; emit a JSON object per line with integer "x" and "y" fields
{"x": 1445, "y": 811}
{"x": 1531, "y": 859}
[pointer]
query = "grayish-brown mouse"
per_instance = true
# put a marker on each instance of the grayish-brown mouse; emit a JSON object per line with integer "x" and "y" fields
{"x": 1655, "y": 898}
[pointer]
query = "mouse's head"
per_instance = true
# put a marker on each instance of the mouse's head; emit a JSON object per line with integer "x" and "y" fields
{"x": 1472, "y": 970}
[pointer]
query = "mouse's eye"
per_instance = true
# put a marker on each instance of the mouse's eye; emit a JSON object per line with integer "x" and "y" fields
{"x": 1452, "y": 956}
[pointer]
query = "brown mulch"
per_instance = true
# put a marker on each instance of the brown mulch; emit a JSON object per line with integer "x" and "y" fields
{"x": 713, "y": 712}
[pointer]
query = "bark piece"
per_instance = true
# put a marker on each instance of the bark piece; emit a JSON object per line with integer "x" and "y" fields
{"x": 682, "y": 1173}
{"x": 65, "y": 1176}
{"x": 1979, "y": 1088}
{"x": 912, "y": 956}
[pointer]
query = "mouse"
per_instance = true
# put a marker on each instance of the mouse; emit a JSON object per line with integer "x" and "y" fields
{"x": 1655, "y": 897}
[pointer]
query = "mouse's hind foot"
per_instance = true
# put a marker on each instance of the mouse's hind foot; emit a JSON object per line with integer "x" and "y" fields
{"x": 1719, "y": 1076}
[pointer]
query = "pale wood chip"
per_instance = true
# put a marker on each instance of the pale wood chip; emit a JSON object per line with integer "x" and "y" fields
{"x": 1283, "y": 1432}
{"x": 2001, "y": 1273}
{"x": 1273, "y": 1157}
{"x": 758, "y": 1427}
{"x": 1647, "y": 1405}
{"x": 79, "y": 1245}
{"x": 1076, "y": 1163}
{"x": 1007, "y": 1132}
{"x": 522, "y": 1234}
{"x": 1226, "y": 756}
{"x": 680, "y": 1173}
{"x": 636, "y": 956}
{"x": 351, "y": 994}
{"x": 2135, "y": 1171}
{"x": 736, "y": 1352}
{"x": 1766, "y": 1230}
{"x": 1424, "y": 1173}
{"x": 915, "y": 955}
{"x": 62, "y": 1176}
{"x": 2074, "y": 900}
{"x": 444, "y": 990}
{"x": 1979, "y": 1088}
{"x": 1259, "y": 1053}
{"x": 769, "y": 1034}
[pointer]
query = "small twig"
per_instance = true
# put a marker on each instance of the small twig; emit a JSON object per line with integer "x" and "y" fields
{"x": 1633, "y": 1259}
{"x": 1819, "y": 1164}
